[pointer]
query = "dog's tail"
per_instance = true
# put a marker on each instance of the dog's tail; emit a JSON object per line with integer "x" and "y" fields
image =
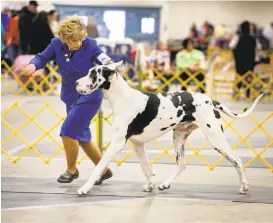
{"x": 227, "y": 111}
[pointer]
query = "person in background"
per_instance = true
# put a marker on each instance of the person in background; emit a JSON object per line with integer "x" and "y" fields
{"x": 194, "y": 33}
{"x": 53, "y": 21}
{"x": 91, "y": 28}
{"x": 161, "y": 60}
{"x": 26, "y": 18}
{"x": 244, "y": 46}
{"x": 103, "y": 31}
{"x": 12, "y": 37}
{"x": 75, "y": 54}
{"x": 253, "y": 29}
{"x": 268, "y": 33}
{"x": 193, "y": 60}
{"x": 41, "y": 33}
{"x": 5, "y": 16}
{"x": 3, "y": 45}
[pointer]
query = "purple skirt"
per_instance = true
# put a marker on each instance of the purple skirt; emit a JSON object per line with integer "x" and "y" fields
{"x": 79, "y": 115}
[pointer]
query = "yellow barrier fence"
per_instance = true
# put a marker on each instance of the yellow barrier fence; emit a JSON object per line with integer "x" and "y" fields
{"x": 231, "y": 86}
{"x": 165, "y": 151}
{"x": 19, "y": 82}
{"x": 30, "y": 120}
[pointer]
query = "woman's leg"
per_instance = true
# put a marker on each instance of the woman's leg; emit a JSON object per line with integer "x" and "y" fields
{"x": 92, "y": 151}
{"x": 75, "y": 129}
{"x": 71, "y": 148}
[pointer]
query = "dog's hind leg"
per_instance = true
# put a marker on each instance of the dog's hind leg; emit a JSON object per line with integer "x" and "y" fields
{"x": 179, "y": 137}
{"x": 144, "y": 162}
{"x": 219, "y": 142}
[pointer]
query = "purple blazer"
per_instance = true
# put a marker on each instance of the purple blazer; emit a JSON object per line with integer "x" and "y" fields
{"x": 71, "y": 69}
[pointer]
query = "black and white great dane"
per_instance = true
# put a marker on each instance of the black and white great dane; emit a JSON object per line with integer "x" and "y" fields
{"x": 141, "y": 117}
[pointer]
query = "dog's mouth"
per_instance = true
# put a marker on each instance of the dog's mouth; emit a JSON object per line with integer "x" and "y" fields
{"x": 83, "y": 91}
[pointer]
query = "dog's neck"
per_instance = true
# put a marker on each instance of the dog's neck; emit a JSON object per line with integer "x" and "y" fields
{"x": 119, "y": 91}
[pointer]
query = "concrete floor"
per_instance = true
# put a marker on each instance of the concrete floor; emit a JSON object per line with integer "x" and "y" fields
{"x": 144, "y": 211}
{"x": 30, "y": 193}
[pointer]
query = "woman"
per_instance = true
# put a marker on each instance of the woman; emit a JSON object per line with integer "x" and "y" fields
{"x": 75, "y": 53}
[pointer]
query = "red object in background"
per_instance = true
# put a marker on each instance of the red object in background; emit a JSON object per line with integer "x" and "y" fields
{"x": 132, "y": 55}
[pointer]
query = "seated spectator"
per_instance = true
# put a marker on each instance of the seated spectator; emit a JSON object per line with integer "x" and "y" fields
{"x": 193, "y": 60}
{"x": 161, "y": 60}
{"x": 161, "y": 57}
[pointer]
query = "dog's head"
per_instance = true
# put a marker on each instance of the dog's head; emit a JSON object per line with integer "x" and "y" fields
{"x": 97, "y": 77}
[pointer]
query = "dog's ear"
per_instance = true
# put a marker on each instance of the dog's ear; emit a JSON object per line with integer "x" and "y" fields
{"x": 107, "y": 72}
{"x": 115, "y": 66}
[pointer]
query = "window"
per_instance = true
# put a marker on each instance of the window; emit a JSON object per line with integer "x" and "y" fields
{"x": 115, "y": 22}
{"x": 148, "y": 25}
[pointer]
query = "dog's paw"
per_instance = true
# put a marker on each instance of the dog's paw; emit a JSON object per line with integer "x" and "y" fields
{"x": 82, "y": 191}
{"x": 164, "y": 186}
{"x": 244, "y": 188}
{"x": 148, "y": 187}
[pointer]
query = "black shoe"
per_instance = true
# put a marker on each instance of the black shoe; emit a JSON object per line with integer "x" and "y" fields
{"x": 108, "y": 174}
{"x": 68, "y": 177}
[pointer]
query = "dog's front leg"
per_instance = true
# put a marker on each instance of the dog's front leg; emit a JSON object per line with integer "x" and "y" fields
{"x": 116, "y": 145}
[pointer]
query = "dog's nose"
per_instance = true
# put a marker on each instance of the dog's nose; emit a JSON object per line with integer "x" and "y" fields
{"x": 77, "y": 83}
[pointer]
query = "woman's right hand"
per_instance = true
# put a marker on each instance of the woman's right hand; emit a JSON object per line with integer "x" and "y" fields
{"x": 30, "y": 69}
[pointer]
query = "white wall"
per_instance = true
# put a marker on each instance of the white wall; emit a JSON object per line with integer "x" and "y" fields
{"x": 177, "y": 16}
{"x": 183, "y": 14}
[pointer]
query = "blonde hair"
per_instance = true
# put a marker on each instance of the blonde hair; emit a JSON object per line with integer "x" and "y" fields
{"x": 72, "y": 28}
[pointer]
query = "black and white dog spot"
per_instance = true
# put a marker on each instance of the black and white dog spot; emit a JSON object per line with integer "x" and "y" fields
{"x": 143, "y": 119}
{"x": 177, "y": 157}
{"x": 188, "y": 118}
{"x": 222, "y": 128}
{"x": 217, "y": 114}
{"x": 179, "y": 113}
{"x": 163, "y": 129}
